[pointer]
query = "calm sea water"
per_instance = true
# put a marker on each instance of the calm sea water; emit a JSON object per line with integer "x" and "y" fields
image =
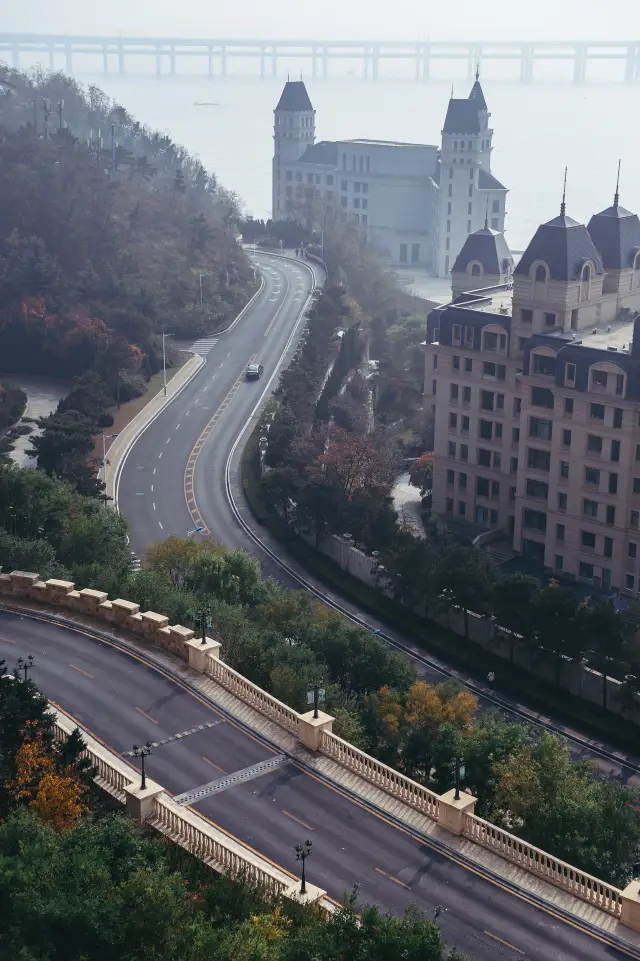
{"x": 539, "y": 129}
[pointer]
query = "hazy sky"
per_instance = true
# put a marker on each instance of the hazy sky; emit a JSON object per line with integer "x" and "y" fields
{"x": 399, "y": 19}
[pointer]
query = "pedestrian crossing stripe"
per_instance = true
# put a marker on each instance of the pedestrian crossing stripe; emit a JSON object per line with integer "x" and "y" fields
{"x": 178, "y": 737}
{"x": 204, "y": 345}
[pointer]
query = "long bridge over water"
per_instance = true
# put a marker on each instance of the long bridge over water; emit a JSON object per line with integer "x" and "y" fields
{"x": 219, "y": 56}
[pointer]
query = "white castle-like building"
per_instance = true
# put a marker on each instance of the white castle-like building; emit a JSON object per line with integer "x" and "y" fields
{"x": 416, "y": 203}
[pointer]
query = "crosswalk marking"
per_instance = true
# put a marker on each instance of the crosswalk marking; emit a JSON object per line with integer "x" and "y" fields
{"x": 204, "y": 345}
{"x": 230, "y": 780}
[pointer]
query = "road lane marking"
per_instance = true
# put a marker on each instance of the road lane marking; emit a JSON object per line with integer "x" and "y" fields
{"x": 298, "y": 821}
{"x": 403, "y": 829}
{"x": 396, "y": 880}
{"x": 154, "y": 469}
{"x": 159, "y": 455}
{"x": 188, "y": 412}
{"x": 154, "y": 505}
{"x": 161, "y": 527}
{"x": 148, "y": 716}
{"x": 80, "y": 671}
{"x": 506, "y": 943}
{"x": 152, "y": 488}
{"x": 190, "y": 468}
{"x": 271, "y": 323}
{"x": 216, "y": 766}
{"x": 177, "y": 426}
{"x": 167, "y": 440}
{"x": 7, "y": 640}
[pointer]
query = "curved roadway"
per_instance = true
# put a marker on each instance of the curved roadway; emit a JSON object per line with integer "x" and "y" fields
{"x": 122, "y": 698}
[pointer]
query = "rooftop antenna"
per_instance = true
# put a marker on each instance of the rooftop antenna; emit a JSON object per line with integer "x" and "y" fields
{"x": 616, "y": 198}
{"x": 563, "y": 205}
{"x": 486, "y": 216}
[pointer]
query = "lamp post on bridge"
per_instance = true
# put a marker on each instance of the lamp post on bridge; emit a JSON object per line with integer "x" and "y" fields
{"x": 142, "y": 753}
{"x": 24, "y": 666}
{"x": 302, "y": 853}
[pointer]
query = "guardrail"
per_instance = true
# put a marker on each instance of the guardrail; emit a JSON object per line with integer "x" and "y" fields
{"x": 410, "y": 792}
{"x": 253, "y": 695}
{"x": 514, "y": 849}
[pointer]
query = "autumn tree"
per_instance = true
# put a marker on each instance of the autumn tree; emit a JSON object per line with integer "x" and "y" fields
{"x": 421, "y": 473}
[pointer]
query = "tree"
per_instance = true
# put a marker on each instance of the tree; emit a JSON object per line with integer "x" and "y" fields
{"x": 230, "y": 576}
{"x": 279, "y": 487}
{"x": 603, "y": 633}
{"x": 421, "y": 473}
{"x": 513, "y": 606}
{"x": 464, "y": 580}
{"x": 174, "y": 558}
{"x": 553, "y": 618}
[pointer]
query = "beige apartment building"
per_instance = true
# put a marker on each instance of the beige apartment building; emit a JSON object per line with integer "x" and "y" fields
{"x": 533, "y": 374}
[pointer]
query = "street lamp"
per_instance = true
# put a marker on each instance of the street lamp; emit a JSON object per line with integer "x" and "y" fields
{"x": 203, "y": 617}
{"x": 22, "y": 665}
{"x": 302, "y": 853}
{"x": 164, "y": 363}
{"x": 142, "y": 752}
{"x": 104, "y": 462}
{"x": 317, "y": 691}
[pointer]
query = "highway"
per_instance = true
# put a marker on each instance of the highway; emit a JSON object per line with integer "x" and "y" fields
{"x": 121, "y": 698}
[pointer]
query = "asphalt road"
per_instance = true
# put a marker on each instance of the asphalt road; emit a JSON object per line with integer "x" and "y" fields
{"x": 123, "y": 700}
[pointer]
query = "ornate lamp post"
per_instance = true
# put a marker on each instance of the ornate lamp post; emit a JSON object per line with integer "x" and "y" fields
{"x": 302, "y": 853}
{"x": 142, "y": 752}
{"x": 24, "y": 666}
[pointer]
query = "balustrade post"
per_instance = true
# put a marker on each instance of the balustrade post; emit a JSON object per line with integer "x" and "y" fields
{"x": 310, "y": 728}
{"x": 452, "y": 812}
{"x": 139, "y": 803}
{"x": 630, "y": 915}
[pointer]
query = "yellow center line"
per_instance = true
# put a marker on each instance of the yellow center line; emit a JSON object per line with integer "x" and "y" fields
{"x": 216, "y": 766}
{"x": 192, "y": 460}
{"x": 148, "y": 716}
{"x": 506, "y": 943}
{"x": 392, "y": 878}
{"x": 272, "y": 322}
{"x": 80, "y": 671}
{"x": 294, "y": 818}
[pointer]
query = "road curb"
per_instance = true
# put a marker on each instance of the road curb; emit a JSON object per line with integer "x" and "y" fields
{"x": 121, "y": 448}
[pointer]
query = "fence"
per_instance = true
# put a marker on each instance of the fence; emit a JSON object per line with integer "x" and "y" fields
{"x": 216, "y": 848}
{"x": 577, "y": 883}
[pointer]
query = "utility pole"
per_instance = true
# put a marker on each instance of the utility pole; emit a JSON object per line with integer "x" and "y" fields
{"x": 60, "y": 109}
{"x": 113, "y": 152}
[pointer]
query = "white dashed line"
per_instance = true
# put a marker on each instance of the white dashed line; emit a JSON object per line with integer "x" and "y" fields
{"x": 159, "y": 455}
{"x": 168, "y": 439}
{"x": 177, "y": 426}
{"x": 152, "y": 488}
{"x": 154, "y": 505}
{"x": 154, "y": 469}
{"x": 187, "y": 413}
{"x": 161, "y": 527}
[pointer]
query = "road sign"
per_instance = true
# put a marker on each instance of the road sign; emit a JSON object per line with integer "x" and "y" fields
{"x": 310, "y": 695}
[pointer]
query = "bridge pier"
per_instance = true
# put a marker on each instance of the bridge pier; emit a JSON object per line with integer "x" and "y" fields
{"x": 172, "y": 60}
{"x": 263, "y": 62}
{"x": 418, "y": 64}
{"x": 52, "y": 57}
{"x": 68, "y": 59}
{"x": 314, "y": 62}
{"x": 158, "y": 61}
{"x": 325, "y": 63}
{"x": 580, "y": 64}
{"x": 526, "y": 62}
{"x": 632, "y": 65}
{"x": 210, "y": 61}
{"x": 121, "y": 59}
{"x": 274, "y": 61}
{"x": 375, "y": 61}
{"x": 426, "y": 62}
{"x": 223, "y": 60}
{"x": 105, "y": 60}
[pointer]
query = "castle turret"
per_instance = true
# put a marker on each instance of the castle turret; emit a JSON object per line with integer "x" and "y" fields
{"x": 294, "y": 130}
{"x": 484, "y": 261}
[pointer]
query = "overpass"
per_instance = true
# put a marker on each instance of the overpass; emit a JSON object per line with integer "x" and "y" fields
{"x": 216, "y": 55}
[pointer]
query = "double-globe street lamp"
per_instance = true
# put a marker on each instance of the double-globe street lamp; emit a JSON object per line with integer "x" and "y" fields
{"x": 142, "y": 753}
{"x": 302, "y": 853}
{"x": 24, "y": 666}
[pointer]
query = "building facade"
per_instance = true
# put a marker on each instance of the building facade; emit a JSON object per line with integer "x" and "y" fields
{"x": 534, "y": 379}
{"x": 416, "y": 203}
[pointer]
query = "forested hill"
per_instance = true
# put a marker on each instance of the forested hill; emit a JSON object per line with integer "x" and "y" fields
{"x": 94, "y": 262}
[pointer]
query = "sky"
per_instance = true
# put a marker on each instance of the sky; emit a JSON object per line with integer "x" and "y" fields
{"x": 332, "y": 19}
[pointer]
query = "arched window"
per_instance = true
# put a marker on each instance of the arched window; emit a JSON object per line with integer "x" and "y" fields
{"x": 541, "y": 274}
{"x": 636, "y": 271}
{"x": 476, "y": 270}
{"x": 585, "y": 282}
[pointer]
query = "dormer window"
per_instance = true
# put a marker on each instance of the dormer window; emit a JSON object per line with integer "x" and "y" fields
{"x": 541, "y": 274}
{"x": 599, "y": 379}
{"x": 476, "y": 270}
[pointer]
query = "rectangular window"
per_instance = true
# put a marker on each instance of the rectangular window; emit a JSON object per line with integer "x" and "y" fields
{"x": 485, "y": 429}
{"x": 435, "y": 361}
{"x": 343, "y": 201}
{"x": 632, "y": 549}
{"x": 515, "y": 435}
{"x": 462, "y": 508}
{"x": 448, "y": 209}
{"x": 542, "y": 397}
{"x": 636, "y": 485}
{"x": 617, "y": 417}
{"x": 489, "y": 369}
{"x": 499, "y": 401}
{"x": 344, "y": 185}
{"x": 448, "y": 505}
{"x": 356, "y": 203}
{"x": 619, "y": 384}
{"x": 585, "y": 570}
{"x": 613, "y": 483}
{"x": 629, "y": 582}
{"x": 403, "y": 253}
{"x": 298, "y": 178}
{"x": 634, "y": 519}
{"x": 590, "y": 508}
{"x": 564, "y": 470}
{"x": 289, "y": 174}
{"x": 526, "y": 316}
{"x": 596, "y": 412}
{"x": 497, "y": 460}
{"x": 484, "y": 457}
{"x": 538, "y": 459}
{"x": 537, "y": 489}
{"x": 453, "y": 391}
{"x": 611, "y": 514}
{"x": 599, "y": 378}
{"x": 615, "y": 451}
{"x": 365, "y": 203}
{"x": 544, "y": 365}
{"x": 568, "y": 406}
{"x": 309, "y": 178}
{"x": 549, "y": 320}
{"x": 566, "y": 438}
{"x": 482, "y": 487}
{"x": 466, "y": 396}
{"x": 453, "y": 421}
{"x": 538, "y": 427}
{"x": 594, "y": 444}
{"x": 588, "y": 539}
{"x": 456, "y": 363}
{"x": 495, "y": 489}
{"x": 329, "y": 180}
{"x": 591, "y": 477}
{"x": 514, "y": 465}
{"x": 486, "y": 399}
{"x": 365, "y": 187}
{"x": 517, "y": 406}
{"x": 452, "y": 448}
{"x": 451, "y": 476}
{"x": 558, "y": 562}
{"x": 465, "y": 424}
{"x": 464, "y": 452}
{"x": 637, "y": 451}
{"x": 570, "y": 375}
{"x": 560, "y": 529}
{"x": 490, "y": 341}
{"x": 562, "y": 502}
{"x": 495, "y": 223}
{"x": 462, "y": 481}
{"x": 468, "y": 363}
{"x": 356, "y": 187}
{"x": 608, "y": 547}
{"x": 536, "y": 520}
{"x": 415, "y": 250}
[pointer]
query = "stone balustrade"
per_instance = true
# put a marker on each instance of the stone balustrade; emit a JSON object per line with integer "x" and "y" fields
{"x": 456, "y": 817}
{"x": 581, "y": 885}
